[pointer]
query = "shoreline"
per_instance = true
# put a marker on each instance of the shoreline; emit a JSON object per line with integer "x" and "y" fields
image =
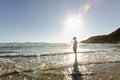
{"x": 104, "y": 71}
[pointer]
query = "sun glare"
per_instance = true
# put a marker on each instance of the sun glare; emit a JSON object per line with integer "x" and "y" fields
{"x": 71, "y": 58}
{"x": 86, "y": 7}
{"x": 72, "y": 26}
{"x": 73, "y": 23}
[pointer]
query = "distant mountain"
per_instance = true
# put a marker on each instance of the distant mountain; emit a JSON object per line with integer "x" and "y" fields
{"x": 113, "y": 37}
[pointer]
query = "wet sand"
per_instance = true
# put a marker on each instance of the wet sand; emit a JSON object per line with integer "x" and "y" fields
{"x": 99, "y": 71}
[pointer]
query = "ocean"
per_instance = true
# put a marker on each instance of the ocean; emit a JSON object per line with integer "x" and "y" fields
{"x": 58, "y": 58}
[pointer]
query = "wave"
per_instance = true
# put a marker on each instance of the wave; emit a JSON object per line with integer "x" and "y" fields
{"x": 6, "y": 54}
{"x": 20, "y": 46}
{"x": 3, "y": 52}
{"x": 116, "y": 49}
{"x": 9, "y": 54}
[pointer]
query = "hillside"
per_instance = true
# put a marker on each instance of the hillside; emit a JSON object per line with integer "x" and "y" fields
{"x": 113, "y": 37}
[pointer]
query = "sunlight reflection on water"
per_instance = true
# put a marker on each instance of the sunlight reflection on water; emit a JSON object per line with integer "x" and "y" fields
{"x": 71, "y": 58}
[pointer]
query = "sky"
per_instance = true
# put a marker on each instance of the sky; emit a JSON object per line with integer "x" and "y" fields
{"x": 57, "y": 20}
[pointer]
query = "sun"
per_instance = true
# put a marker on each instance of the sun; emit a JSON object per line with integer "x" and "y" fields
{"x": 72, "y": 23}
{"x": 72, "y": 26}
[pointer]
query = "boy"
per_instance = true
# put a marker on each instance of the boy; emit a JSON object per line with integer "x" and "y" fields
{"x": 75, "y": 45}
{"x": 75, "y": 51}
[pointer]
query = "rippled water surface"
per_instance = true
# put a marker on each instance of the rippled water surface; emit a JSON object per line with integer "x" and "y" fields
{"x": 58, "y": 58}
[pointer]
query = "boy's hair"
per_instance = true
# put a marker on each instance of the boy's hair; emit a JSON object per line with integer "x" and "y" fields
{"x": 74, "y": 37}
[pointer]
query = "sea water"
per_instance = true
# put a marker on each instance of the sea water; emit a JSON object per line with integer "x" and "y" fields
{"x": 29, "y": 56}
{"x": 60, "y": 52}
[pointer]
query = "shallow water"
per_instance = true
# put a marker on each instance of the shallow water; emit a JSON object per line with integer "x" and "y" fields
{"x": 59, "y": 59}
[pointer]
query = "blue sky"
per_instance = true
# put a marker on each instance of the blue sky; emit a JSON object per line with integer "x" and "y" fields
{"x": 45, "y": 20}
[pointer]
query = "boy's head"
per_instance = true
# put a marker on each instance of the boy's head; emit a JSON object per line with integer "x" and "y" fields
{"x": 74, "y": 38}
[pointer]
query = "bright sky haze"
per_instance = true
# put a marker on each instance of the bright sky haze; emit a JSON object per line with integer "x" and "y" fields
{"x": 56, "y": 20}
